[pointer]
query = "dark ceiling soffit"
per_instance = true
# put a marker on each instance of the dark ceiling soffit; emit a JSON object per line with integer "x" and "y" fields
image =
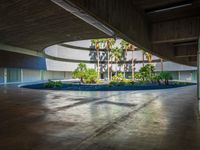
{"x": 81, "y": 14}
{"x": 169, "y": 7}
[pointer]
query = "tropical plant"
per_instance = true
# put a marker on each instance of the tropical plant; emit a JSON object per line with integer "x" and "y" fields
{"x": 53, "y": 84}
{"x": 125, "y": 46}
{"x": 90, "y": 76}
{"x": 86, "y": 75}
{"x": 118, "y": 77}
{"x": 148, "y": 57}
{"x": 96, "y": 43}
{"x": 116, "y": 55}
{"x": 138, "y": 76}
{"x": 147, "y": 72}
{"x": 166, "y": 76}
{"x": 108, "y": 44}
{"x": 119, "y": 80}
{"x": 104, "y": 43}
{"x": 79, "y": 72}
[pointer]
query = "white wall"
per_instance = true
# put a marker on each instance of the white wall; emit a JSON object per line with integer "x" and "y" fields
{"x": 186, "y": 76}
{"x": 31, "y": 75}
{"x": 53, "y": 75}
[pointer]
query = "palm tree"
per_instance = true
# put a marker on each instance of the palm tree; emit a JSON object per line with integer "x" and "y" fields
{"x": 143, "y": 53}
{"x": 116, "y": 54}
{"x": 109, "y": 42}
{"x": 96, "y": 44}
{"x": 133, "y": 61}
{"x": 124, "y": 46}
{"x": 148, "y": 57}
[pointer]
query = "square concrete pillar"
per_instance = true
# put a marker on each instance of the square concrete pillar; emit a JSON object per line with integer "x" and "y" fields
{"x": 198, "y": 75}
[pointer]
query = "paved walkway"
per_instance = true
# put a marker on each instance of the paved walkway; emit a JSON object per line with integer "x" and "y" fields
{"x": 123, "y": 120}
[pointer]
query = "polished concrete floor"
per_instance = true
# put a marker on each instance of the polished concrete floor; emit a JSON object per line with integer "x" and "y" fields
{"x": 125, "y": 120}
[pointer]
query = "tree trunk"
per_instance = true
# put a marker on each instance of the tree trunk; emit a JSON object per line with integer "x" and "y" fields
{"x": 108, "y": 65}
{"x": 133, "y": 69}
{"x": 98, "y": 64}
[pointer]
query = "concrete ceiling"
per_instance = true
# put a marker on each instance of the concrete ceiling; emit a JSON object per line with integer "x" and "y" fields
{"x": 169, "y": 29}
{"x": 171, "y": 34}
{"x": 40, "y": 23}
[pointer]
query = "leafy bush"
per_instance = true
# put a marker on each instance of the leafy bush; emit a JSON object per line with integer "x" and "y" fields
{"x": 90, "y": 76}
{"x": 53, "y": 84}
{"x": 118, "y": 77}
{"x": 86, "y": 75}
{"x": 119, "y": 80}
{"x": 147, "y": 72}
{"x": 166, "y": 76}
{"x": 80, "y": 72}
{"x": 137, "y": 76}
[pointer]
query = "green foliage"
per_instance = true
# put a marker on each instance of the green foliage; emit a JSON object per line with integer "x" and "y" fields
{"x": 90, "y": 76}
{"x": 147, "y": 72}
{"x": 119, "y": 80}
{"x": 53, "y": 84}
{"x": 116, "y": 54}
{"x": 104, "y": 43}
{"x": 166, "y": 76}
{"x": 86, "y": 75}
{"x": 118, "y": 77}
{"x": 137, "y": 76}
{"x": 80, "y": 72}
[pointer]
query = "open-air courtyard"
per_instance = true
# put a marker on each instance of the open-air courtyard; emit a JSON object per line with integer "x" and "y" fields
{"x": 117, "y": 120}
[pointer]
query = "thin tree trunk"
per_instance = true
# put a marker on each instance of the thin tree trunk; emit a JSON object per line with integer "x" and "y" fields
{"x": 125, "y": 64}
{"x": 111, "y": 70}
{"x": 143, "y": 59}
{"x": 108, "y": 65}
{"x": 98, "y": 64}
{"x": 132, "y": 67}
{"x": 116, "y": 67}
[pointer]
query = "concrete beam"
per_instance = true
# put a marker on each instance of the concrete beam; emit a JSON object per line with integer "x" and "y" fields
{"x": 122, "y": 17}
{"x": 185, "y": 50}
{"x": 179, "y": 30}
{"x": 10, "y": 48}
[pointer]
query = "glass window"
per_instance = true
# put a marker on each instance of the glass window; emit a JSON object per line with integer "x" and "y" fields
{"x": 13, "y": 75}
{"x": 1, "y": 75}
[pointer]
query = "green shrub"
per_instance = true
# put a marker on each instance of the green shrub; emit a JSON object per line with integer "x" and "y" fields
{"x": 53, "y": 84}
{"x": 90, "y": 76}
{"x": 86, "y": 75}
{"x": 119, "y": 77}
{"x": 137, "y": 76}
{"x": 166, "y": 76}
{"x": 147, "y": 72}
{"x": 80, "y": 72}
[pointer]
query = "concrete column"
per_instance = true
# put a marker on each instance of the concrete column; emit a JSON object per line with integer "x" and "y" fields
{"x": 198, "y": 74}
{"x": 22, "y": 76}
{"x": 5, "y": 75}
{"x": 179, "y": 75}
{"x": 41, "y": 74}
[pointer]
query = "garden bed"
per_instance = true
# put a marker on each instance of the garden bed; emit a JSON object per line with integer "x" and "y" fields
{"x": 107, "y": 87}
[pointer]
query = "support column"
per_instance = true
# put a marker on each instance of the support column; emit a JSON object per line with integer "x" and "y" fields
{"x": 198, "y": 74}
{"x": 5, "y": 75}
{"x": 22, "y": 76}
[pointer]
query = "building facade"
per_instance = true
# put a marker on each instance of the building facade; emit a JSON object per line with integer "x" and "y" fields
{"x": 62, "y": 59}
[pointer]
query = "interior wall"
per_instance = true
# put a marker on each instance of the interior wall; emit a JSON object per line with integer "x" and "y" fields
{"x": 31, "y": 75}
